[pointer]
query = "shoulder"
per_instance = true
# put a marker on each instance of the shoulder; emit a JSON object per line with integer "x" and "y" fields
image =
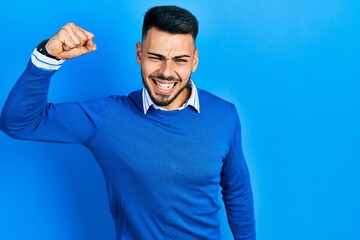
{"x": 134, "y": 96}
{"x": 218, "y": 110}
{"x": 133, "y": 101}
{"x": 111, "y": 101}
{"x": 213, "y": 103}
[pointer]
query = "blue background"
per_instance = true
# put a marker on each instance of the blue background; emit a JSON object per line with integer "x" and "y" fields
{"x": 291, "y": 68}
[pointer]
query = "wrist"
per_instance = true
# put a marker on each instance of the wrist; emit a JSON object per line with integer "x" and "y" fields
{"x": 40, "y": 60}
{"x": 42, "y": 49}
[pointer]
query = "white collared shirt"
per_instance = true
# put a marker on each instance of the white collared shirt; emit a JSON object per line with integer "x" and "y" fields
{"x": 192, "y": 101}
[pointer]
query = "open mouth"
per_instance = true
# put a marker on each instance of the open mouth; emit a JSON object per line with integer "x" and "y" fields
{"x": 164, "y": 86}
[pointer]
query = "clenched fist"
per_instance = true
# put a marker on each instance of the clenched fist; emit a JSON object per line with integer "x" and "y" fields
{"x": 70, "y": 42}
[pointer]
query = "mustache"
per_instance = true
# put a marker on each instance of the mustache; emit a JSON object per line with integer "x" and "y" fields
{"x": 163, "y": 77}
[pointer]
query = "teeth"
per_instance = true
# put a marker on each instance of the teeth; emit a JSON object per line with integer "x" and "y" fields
{"x": 165, "y": 86}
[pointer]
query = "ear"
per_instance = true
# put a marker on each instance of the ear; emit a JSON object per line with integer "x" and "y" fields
{"x": 138, "y": 52}
{"x": 195, "y": 61}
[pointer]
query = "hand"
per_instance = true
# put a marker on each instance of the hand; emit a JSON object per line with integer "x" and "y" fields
{"x": 70, "y": 42}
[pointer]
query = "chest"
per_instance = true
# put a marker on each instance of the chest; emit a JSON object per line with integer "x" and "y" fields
{"x": 164, "y": 149}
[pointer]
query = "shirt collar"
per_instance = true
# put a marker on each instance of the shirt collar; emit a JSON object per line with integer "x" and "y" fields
{"x": 192, "y": 101}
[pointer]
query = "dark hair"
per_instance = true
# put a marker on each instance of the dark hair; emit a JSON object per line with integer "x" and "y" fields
{"x": 171, "y": 19}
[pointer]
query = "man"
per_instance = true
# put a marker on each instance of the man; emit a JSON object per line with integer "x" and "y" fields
{"x": 163, "y": 150}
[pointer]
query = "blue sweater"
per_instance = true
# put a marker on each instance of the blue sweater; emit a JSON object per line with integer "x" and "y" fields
{"x": 162, "y": 169}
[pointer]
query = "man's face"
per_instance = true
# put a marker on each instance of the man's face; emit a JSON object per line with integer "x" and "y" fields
{"x": 167, "y": 61}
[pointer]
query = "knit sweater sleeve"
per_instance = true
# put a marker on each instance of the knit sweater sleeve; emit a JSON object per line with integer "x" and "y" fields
{"x": 28, "y": 115}
{"x": 236, "y": 189}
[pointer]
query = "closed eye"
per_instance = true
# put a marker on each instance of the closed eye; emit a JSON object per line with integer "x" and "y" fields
{"x": 157, "y": 58}
{"x": 180, "y": 60}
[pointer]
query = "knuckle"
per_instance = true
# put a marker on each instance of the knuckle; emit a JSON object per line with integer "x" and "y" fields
{"x": 62, "y": 31}
{"x": 68, "y": 26}
{"x": 65, "y": 28}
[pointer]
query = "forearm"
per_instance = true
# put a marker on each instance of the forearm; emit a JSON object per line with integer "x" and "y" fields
{"x": 240, "y": 213}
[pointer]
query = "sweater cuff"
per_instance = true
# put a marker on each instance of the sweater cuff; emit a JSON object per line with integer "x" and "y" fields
{"x": 44, "y": 62}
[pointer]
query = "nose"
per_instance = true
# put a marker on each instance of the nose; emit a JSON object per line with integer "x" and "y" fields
{"x": 166, "y": 68}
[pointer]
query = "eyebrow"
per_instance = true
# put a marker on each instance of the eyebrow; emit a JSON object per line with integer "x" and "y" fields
{"x": 162, "y": 56}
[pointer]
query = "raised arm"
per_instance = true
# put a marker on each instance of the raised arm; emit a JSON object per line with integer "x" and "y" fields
{"x": 27, "y": 113}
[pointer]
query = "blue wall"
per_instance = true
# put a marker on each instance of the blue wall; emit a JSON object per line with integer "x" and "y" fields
{"x": 291, "y": 68}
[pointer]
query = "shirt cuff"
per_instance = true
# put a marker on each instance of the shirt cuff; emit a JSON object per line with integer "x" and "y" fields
{"x": 44, "y": 62}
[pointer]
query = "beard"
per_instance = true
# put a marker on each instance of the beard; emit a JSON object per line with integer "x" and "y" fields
{"x": 162, "y": 100}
